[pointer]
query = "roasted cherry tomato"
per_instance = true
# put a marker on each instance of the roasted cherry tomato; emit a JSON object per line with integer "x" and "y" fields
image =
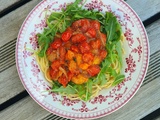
{"x": 85, "y": 24}
{"x": 93, "y": 70}
{"x": 84, "y": 47}
{"x": 96, "y": 44}
{"x": 95, "y": 24}
{"x": 63, "y": 80}
{"x": 91, "y": 32}
{"x": 49, "y": 50}
{"x": 70, "y": 75}
{"x": 77, "y": 38}
{"x": 55, "y": 64}
{"x": 88, "y": 57}
{"x": 103, "y": 54}
{"x": 66, "y": 35}
{"x": 74, "y": 48}
{"x": 62, "y": 52}
{"x": 56, "y": 44}
{"x": 53, "y": 73}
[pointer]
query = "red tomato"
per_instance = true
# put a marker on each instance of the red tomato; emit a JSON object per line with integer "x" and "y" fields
{"x": 66, "y": 35}
{"x": 95, "y": 44}
{"x": 74, "y": 48}
{"x": 78, "y": 38}
{"x": 103, "y": 54}
{"x": 91, "y": 33}
{"x": 63, "y": 80}
{"x": 85, "y": 24}
{"x": 62, "y": 52}
{"x": 103, "y": 38}
{"x": 56, "y": 43}
{"x": 67, "y": 45}
{"x": 87, "y": 57}
{"x": 49, "y": 50}
{"x": 53, "y": 73}
{"x": 55, "y": 64}
{"x": 70, "y": 75}
{"x": 95, "y": 24}
{"x": 93, "y": 70}
{"x": 84, "y": 47}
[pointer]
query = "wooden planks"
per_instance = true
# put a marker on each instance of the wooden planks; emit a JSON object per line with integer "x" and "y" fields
{"x": 6, "y": 3}
{"x": 145, "y": 8}
{"x": 11, "y": 23}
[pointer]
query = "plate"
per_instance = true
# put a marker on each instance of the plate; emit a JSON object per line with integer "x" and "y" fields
{"x": 135, "y": 62}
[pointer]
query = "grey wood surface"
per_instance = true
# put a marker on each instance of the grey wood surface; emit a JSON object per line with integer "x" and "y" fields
{"x": 6, "y": 3}
{"x": 144, "y": 102}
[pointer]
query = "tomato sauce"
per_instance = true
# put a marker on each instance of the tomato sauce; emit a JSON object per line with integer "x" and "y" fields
{"x": 75, "y": 55}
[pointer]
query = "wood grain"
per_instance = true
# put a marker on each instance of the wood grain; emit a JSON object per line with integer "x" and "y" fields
{"x": 145, "y": 8}
{"x": 6, "y": 3}
{"x": 11, "y": 23}
{"x": 139, "y": 106}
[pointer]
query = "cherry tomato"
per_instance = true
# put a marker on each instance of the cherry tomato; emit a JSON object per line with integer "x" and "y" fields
{"x": 56, "y": 44}
{"x": 62, "y": 52}
{"x": 74, "y": 48}
{"x": 85, "y": 24}
{"x": 70, "y": 75}
{"x": 87, "y": 57}
{"x": 84, "y": 47}
{"x": 77, "y": 38}
{"x": 95, "y": 44}
{"x": 53, "y": 73}
{"x": 91, "y": 33}
{"x": 49, "y": 50}
{"x": 95, "y": 24}
{"x": 103, "y": 38}
{"x": 55, "y": 64}
{"x": 63, "y": 80}
{"x": 103, "y": 54}
{"x": 66, "y": 35}
{"x": 93, "y": 70}
{"x": 51, "y": 57}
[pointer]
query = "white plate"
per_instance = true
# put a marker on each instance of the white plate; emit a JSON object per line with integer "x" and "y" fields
{"x": 135, "y": 61}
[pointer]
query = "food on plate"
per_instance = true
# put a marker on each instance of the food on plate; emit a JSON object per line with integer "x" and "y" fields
{"x": 80, "y": 51}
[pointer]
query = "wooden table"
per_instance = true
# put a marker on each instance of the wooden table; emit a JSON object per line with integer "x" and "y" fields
{"x": 17, "y": 104}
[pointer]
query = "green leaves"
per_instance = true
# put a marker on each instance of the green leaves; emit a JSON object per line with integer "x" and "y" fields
{"x": 118, "y": 79}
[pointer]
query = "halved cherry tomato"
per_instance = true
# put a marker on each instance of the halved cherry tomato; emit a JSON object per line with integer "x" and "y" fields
{"x": 95, "y": 24}
{"x": 56, "y": 44}
{"x": 74, "y": 48}
{"x": 77, "y": 38}
{"x": 95, "y": 44}
{"x": 84, "y": 47}
{"x": 93, "y": 70}
{"x": 103, "y": 54}
{"x": 51, "y": 57}
{"x": 49, "y": 50}
{"x": 88, "y": 57}
{"x": 66, "y": 35}
{"x": 70, "y": 75}
{"x": 91, "y": 33}
{"x": 69, "y": 55}
{"x": 55, "y": 64}
{"x": 53, "y": 73}
{"x": 85, "y": 24}
{"x": 63, "y": 80}
{"x": 62, "y": 52}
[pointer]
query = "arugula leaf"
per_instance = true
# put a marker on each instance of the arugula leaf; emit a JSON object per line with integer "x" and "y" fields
{"x": 118, "y": 79}
{"x": 69, "y": 89}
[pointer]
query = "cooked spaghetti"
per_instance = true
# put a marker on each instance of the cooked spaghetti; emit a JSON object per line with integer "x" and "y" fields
{"x": 81, "y": 54}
